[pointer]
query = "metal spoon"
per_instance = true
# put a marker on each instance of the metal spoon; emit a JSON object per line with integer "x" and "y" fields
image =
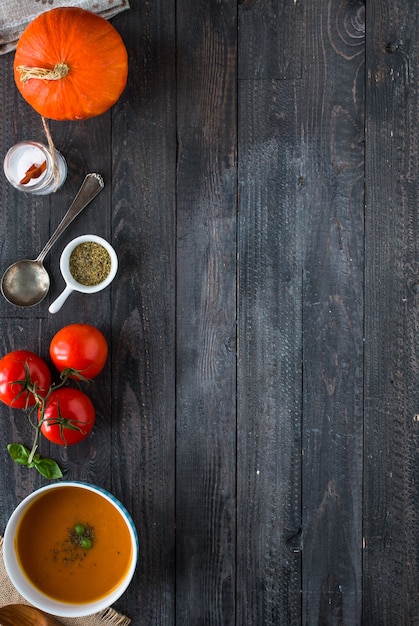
{"x": 26, "y": 282}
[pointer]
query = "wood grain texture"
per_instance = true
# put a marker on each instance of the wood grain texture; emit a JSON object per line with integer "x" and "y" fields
{"x": 391, "y": 396}
{"x": 22, "y": 615}
{"x": 270, "y": 39}
{"x": 269, "y": 357}
{"x": 143, "y": 312}
{"x": 206, "y": 312}
{"x": 332, "y": 162}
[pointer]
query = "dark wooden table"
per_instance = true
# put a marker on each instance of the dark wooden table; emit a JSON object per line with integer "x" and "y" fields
{"x": 259, "y": 412}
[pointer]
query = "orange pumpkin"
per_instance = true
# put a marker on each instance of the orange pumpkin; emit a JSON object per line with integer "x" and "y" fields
{"x": 70, "y": 64}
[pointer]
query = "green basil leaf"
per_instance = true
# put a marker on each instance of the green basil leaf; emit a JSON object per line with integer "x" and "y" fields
{"x": 48, "y": 468}
{"x": 19, "y": 453}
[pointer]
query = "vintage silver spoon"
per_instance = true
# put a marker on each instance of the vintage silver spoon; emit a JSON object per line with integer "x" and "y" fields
{"x": 26, "y": 282}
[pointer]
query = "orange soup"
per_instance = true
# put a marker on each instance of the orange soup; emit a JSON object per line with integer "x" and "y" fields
{"x": 73, "y": 545}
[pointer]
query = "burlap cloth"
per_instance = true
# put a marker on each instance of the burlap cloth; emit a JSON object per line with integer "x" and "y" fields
{"x": 15, "y": 15}
{"x": 9, "y": 595}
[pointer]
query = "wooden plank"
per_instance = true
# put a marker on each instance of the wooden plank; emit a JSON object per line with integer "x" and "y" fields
{"x": 17, "y": 482}
{"x": 206, "y": 312}
{"x": 391, "y": 555}
{"x": 269, "y": 316}
{"x": 332, "y": 169}
{"x": 143, "y": 304}
{"x": 270, "y": 39}
{"x": 269, "y": 357}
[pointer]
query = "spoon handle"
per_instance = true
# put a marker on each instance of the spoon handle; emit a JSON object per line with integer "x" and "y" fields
{"x": 90, "y": 187}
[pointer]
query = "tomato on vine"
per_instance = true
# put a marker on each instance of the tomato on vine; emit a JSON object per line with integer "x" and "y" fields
{"x": 23, "y": 373}
{"x": 63, "y": 415}
{"x": 79, "y": 347}
{"x": 67, "y": 416}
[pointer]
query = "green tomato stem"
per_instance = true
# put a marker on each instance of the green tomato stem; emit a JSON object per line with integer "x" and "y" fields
{"x": 34, "y": 446}
{"x": 40, "y": 405}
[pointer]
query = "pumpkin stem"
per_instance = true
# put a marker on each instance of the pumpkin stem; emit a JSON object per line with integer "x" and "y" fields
{"x": 55, "y": 170}
{"x": 60, "y": 70}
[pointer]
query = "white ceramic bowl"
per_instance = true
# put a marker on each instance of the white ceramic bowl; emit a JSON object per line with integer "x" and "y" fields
{"x": 31, "y": 593}
{"x": 71, "y": 283}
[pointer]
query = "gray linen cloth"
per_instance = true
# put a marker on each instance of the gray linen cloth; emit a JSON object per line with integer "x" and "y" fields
{"x": 15, "y": 15}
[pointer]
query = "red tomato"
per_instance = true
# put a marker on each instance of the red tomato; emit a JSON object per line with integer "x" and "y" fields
{"x": 21, "y": 371}
{"x": 79, "y": 347}
{"x": 69, "y": 416}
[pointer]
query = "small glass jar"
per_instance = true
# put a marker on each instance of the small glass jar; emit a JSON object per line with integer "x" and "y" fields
{"x": 29, "y": 167}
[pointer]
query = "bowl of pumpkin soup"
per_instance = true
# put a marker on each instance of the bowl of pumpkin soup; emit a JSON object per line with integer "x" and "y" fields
{"x": 70, "y": 549}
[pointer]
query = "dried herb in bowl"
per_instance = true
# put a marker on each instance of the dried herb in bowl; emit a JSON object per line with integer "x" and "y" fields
{"x": 90, "y": 263}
